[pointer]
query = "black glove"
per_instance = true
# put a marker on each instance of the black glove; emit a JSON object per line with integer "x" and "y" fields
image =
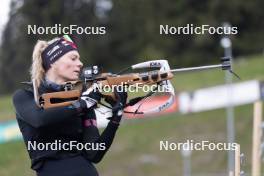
{"x": 117, "y": 105}
{"x": 88, "y": 99}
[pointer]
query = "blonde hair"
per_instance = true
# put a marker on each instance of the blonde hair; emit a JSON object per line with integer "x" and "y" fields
{"x": 37, "y": 71}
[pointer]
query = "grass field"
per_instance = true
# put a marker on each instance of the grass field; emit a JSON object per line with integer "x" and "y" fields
{"x": 6, "y": 108}
{"x": 135, "y": 150}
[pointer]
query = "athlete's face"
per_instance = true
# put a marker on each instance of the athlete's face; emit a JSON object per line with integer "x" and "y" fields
{"x": 68, "y": 67}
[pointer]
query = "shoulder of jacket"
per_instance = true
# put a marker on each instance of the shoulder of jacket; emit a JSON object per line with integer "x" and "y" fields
{"x": 22, "y": 92}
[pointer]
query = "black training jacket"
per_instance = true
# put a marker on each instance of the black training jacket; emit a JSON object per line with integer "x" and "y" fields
{"x": 63, "y": 124}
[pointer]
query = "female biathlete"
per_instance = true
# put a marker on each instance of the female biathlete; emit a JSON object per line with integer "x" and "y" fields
{"x": 52, "y": 135}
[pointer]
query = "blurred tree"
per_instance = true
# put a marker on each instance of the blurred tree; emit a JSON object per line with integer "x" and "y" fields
{"x": 132, "y": 32}
{"x": 17, "y": 45}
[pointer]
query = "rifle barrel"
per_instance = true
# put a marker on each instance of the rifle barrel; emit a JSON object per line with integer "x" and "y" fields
{"x": 196, "y": 68}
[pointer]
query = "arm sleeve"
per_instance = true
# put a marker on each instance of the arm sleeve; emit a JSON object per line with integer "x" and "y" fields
{"x": 91, "y": 135}
{"x": 28, "y": 111}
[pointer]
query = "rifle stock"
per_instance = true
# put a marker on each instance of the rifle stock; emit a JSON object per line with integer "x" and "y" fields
{"x": 48, "y": 99}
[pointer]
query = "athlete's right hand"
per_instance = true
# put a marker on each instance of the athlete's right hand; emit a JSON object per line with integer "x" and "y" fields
{"x": 90, "y": 97}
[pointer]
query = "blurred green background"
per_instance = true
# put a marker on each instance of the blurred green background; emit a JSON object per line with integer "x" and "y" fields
{"x": 135, "y": 150}
{"x": 132, "y": 32}
{"x": 133, "y": 36}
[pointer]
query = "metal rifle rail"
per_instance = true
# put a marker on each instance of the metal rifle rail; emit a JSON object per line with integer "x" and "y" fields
{"x": 226, "y": 65}
{"x": 196, "y": 68}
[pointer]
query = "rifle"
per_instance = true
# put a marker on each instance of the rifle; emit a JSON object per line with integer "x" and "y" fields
{"x": 92, "y": 75}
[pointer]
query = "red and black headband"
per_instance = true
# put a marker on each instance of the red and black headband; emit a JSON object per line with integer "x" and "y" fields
{"x": 57, "y": 49}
